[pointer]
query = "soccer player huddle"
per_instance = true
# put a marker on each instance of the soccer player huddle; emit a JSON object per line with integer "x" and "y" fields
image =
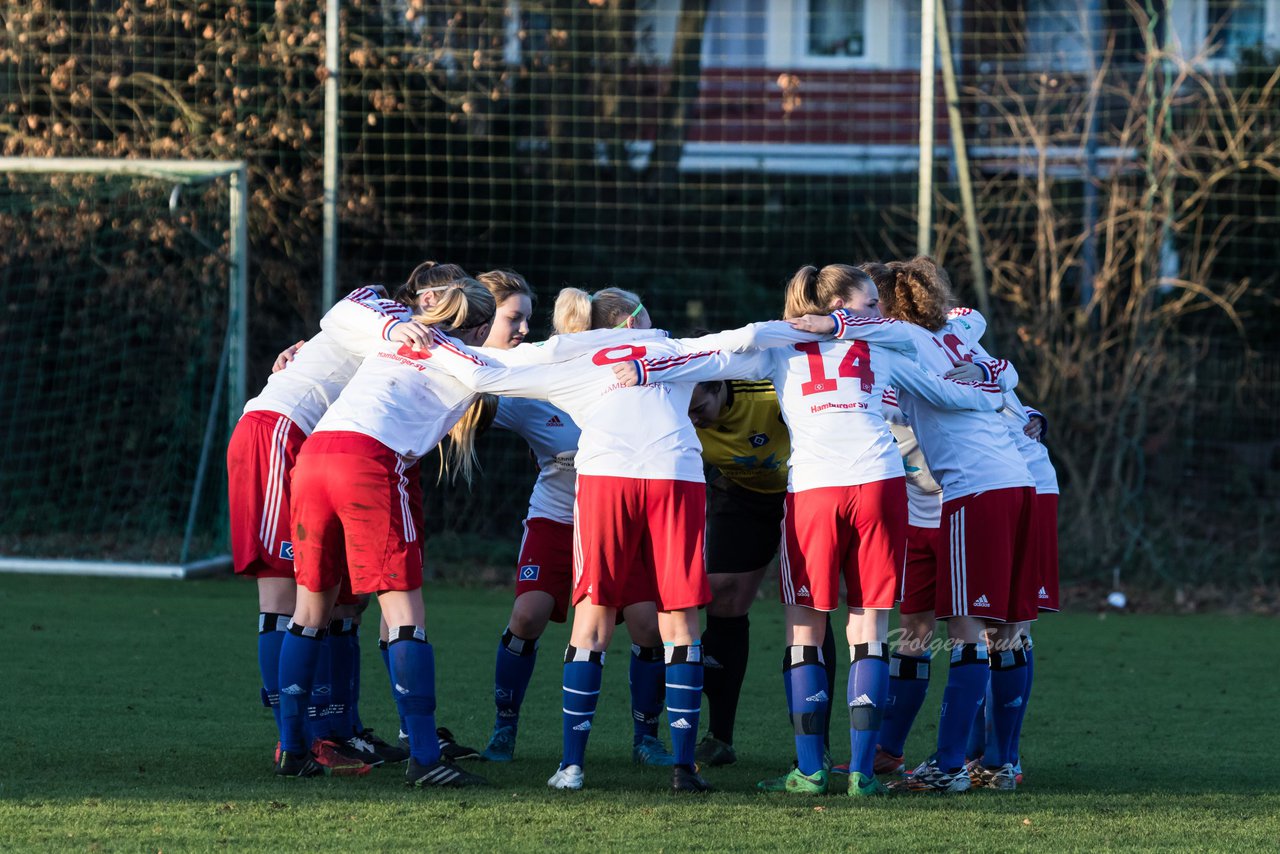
{"x": 867, "y": 438}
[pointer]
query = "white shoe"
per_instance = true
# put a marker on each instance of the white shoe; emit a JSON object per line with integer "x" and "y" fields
{"x": 569, "y": 777}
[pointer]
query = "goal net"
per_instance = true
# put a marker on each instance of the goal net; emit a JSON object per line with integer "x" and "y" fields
{"x": 122, "y": 305}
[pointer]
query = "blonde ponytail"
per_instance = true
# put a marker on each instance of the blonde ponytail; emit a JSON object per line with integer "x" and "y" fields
{"x": 460, "y": 458}
{"x": 578, "y": 311}
{"x": 811, "y": 291}
{"x": 465, "y": 305}
{"x": 572, "y": 311}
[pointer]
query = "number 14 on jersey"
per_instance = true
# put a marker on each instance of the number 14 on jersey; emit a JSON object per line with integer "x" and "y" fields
{"x": 856, "y": 364}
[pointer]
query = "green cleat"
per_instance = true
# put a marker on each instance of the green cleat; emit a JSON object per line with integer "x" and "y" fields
{"x": 797, "y": 783}
{"x": 862, "y": 786}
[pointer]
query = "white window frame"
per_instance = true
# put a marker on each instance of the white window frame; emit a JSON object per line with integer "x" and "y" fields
{"x": 787, "y": 35}
{"x": 1190, "y": 31}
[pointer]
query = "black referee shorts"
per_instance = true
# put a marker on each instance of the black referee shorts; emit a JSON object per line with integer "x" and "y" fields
{"x": 744, "y": 528}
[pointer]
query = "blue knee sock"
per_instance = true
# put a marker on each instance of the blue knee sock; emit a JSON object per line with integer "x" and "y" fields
{"x": 977, "y": 744}
{"x": 299, "y": 653}
{"x": 583, "y": 672}
{"x": 271, "y": 629}
{"x": 511, "y": 674}
{"x": 683, "y": 681}
{"x": 648, "y": 672}
{"x": 908, "y": 684}
{"x": 384, "y": 651}
{"x": 319, "y": 720}
{"x": 868, "y": 690}
{"x": 344, "y": 651}
{"x": 413, "y": 679}
{"x": 966, "y": 686}
{"x": 804, "y": 672}
{"x": 1015, "y": 748}
{"x": 1004, "y": 707}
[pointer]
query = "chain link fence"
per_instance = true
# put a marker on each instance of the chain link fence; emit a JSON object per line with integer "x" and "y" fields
{"x": 1104, "y": 176}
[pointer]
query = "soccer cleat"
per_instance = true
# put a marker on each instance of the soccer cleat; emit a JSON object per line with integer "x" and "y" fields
{"x": 335, "y": 756}
{"x": 389, "y": 752}
{"x": 441, "y": 773}
{"x": 713, "y": 752}
{"x": 1003, "y": 779}
{"x": 650, "y": 751}
{"x": 569, "y": 777}
{"x": 450, "y": 749}
{"x": 887, "y": 763}
{"x": 928, "y": 777}
{"x": 501, "y": 746}
{"x": 686, "y": 779}
{"x": 299, "y": 765}
{"x": 275, "y": 758}
{"x": 797, "y": 783}
{"x": 357, "y": 747}
{"x": 1017, "y": 770}
{"x": 862, "y": 786}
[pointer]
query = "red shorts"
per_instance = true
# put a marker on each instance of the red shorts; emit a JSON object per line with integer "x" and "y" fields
{"x": 986, "y": 568}
{"x": 355, "y": 512}
{"x": 858, "y": 532}
{"x": 920, "y": 579}
{"x": 546, "y": 563}
{"x": 639, "y": 540}
{"x": 1044, "y": 541}
{"x": 260, "y": 460}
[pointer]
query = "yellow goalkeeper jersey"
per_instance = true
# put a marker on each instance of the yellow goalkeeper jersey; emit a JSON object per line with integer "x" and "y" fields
{"x": 749, "y": 444}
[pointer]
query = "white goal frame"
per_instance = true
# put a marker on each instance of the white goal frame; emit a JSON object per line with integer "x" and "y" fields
{"x": 232, "y": 370}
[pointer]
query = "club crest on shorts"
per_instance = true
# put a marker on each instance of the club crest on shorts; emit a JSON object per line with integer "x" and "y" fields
{"x": 286, "y": 550}
{"x": 529, "y": 572}
{"x": 758, "y": 440}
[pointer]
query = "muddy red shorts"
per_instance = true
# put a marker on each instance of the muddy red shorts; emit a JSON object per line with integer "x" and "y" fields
{"x": 356, "y": 508}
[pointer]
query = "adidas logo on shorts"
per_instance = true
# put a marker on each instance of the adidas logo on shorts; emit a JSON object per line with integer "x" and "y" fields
{"x": 981, "y": 602}
{"x": 1043, "y": 593}
{"x": 820, "y": 697}
{"x": 554, "y": 421}
{"x": 803, "y": 591}
{"x": 585, "y": 726}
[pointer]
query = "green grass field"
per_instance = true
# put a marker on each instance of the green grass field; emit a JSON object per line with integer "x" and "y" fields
{"x": 133, "y": 724}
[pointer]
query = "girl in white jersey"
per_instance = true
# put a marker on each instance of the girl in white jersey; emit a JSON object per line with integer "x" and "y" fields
{"x": 260, "y": 459}
{"x": 544, "y": 574}
{"x": 639, "y": 512}
{"x": 985, "y": 573}
{"x": 846, "y": 507}
{"x": 355, "y": 516}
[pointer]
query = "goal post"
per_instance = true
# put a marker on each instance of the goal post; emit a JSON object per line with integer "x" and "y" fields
{"x": 123, "y": 343}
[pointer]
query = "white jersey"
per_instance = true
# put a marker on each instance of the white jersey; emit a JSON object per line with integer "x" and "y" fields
{"x": 924, "y": 494}
{"x": 968, "y": 452}
{"x": 642, "y": 432}
{"x": 553, "y": 437}
{"x": 968, "y": 326}
{"x": 830, "y": 395}
{"x": 402, "y": 398}
{"x": 309, "y": 384}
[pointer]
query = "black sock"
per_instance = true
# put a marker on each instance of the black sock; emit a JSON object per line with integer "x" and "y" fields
{"x": 725, "y": 646}
{"x": 829, "y": 662}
